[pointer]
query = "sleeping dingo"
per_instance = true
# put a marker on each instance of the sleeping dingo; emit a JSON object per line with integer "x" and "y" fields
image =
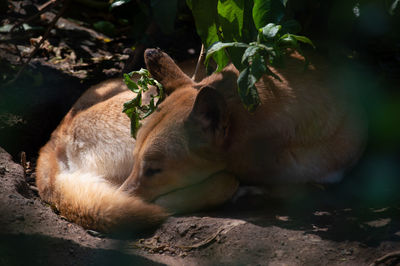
{"x": 192, "y": 152}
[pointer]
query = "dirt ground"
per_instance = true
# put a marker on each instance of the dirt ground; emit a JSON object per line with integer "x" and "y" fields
{"x": 352, "y": 223}
{"x": 254, "y": 230}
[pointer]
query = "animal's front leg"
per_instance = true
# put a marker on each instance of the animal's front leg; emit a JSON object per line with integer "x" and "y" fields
{"x": 215, "y": 190}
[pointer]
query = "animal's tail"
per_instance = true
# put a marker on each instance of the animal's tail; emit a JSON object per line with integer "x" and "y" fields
{"x": 89, "y": 200}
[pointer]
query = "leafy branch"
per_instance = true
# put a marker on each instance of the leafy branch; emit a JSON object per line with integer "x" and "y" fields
{"x": 135, "y": 109}
{"x": 252, "y": 34}
{"x": 270, "y": 48}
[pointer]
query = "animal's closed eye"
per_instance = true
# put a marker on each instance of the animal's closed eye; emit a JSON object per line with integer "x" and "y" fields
{"x": 152, "y": 171}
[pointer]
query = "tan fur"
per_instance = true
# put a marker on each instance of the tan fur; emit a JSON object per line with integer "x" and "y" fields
{"x": 90, "y": 154}
{"x": 190, "y": 152}
{"x": 87, "y": 157}
{"x": 303, "y": 131}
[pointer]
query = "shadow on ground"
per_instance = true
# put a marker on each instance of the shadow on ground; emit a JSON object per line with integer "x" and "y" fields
{"x": 43, "y": 250}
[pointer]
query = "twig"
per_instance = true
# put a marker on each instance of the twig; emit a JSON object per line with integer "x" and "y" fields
{"x": 395, "y": 254}
{"x": 50, "y": 4}
{"x": 203, "y": 242}
{"x": 200, "y": 62}
{"x": 43, "y": 8}
{"x": 37, "y": 45}
{"x": 20, "y": 57}
{"x": 47, "y": 4}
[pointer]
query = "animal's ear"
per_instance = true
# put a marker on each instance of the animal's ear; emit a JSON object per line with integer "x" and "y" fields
{"x": 164, "y": 69}
{"x": 208, "y": 121}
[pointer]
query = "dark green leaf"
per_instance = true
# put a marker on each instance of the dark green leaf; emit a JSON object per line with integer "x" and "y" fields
{"x": 247, "y": 91}
{"x": 164, "y": 13}
{"x": 152, "y": 106}
{"x": 135, "y": 124}
{"x": 303, "y": 39}
{"x": 143, "y": 84}
{"x": 105, "y": 27}
{"x": 150, "y": 109}
{"x": 258, "y": 67}
{"x": 135, "y": 102}
{"x": 288, "y": 41}
{"x": 249, "y": 31}
{"x": 267, "y": 11}
{"x": 235, "y": 55}
{"x": 206, "y": 19}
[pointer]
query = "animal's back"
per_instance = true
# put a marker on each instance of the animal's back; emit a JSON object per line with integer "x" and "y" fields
{"x": 305, "y": 129}
{"x": 88, "y": 156}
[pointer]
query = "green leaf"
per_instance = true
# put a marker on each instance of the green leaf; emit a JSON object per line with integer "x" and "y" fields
{"x": 288, "y": 41}
{"x": 150, "y": 109}
{"x": 164, "y": 13}
{"x": 134, "y": 108}
{"x": 142, "y": 72}
{"x": 152, "y": 106}
{"x": 118, "y": 3}
{"x": 270, "y": 31}
{"x": 131, "y": 84}
{"x": 205, "y": 15}
{"x": 247, "y": 91}
{"x": 218, "y": 46}
{"x": 267, "y": 11}
{"x": 258, "y": 67}
{"x": 303, "y": 39}
{"x": 135, "y": 102}
{"x": 135, "y": 124}
{"x": 249, "y": 53}
{"x": 231, "y": 19}
{"x": 249, "y": 31}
